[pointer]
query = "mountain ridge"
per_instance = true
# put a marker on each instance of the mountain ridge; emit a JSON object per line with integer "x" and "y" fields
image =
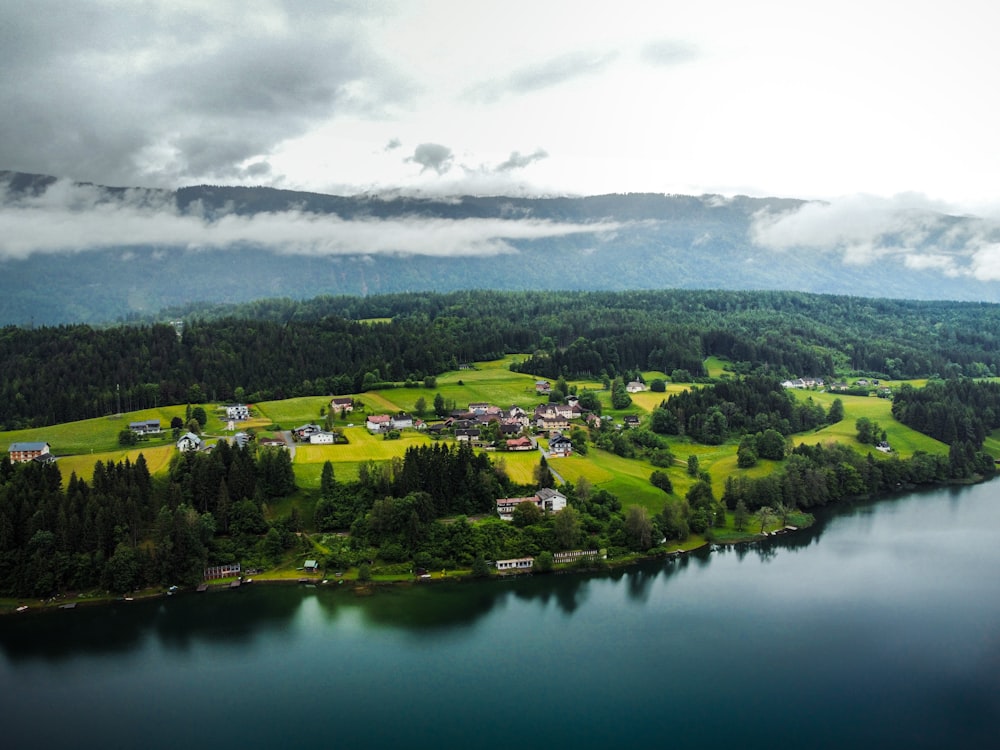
{"x": 136, "y": 251}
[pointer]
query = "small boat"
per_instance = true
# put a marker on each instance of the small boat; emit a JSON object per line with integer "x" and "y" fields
{"x": 22, "y": 608}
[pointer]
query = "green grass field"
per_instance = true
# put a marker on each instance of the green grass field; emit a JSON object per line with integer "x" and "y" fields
{"x": 293, "y": 412}
{"x": 80, "y": 444}
{"x": 904, "y": 441}
{"x": 157, "y": 459}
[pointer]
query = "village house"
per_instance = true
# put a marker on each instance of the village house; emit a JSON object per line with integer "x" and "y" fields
{"x": 635, "y": 386}
{"x": 543, "y": 387}
{"x": 145, "y": 427}
{"x": 546, "y": 424}
{"x": 21, "y": 452}
{"x": 517, "y": 414}
{"x": 189, "y": 442}
{"x": 518, "y": 563}
{"x": 378, "y": 423}
{"x": 520, "y": 444}
{"x": 631, "y": 420}
{"x": 560, "y": 446}
{"x": 401, "y": 421}
{"x": 322, "y": 438}
{"x": 478, "y": 407}
{"x": 342, "y": 403}
{"x": 238, "y": 412}
{"x": 547, "y": 500}
{"x": 576, "y": 554}
{"x": 552, "y": 501}
{"x": 470, "y": 434}
{"x": 221, "y": 571}
{"x": 272, "y": 442}
{"x": 510, "y": 429}
{"x": 306, "y": 431}
{"x": 241, "y": 439}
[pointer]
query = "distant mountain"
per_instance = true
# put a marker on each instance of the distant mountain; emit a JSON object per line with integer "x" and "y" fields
{"x": 84, "y": 253}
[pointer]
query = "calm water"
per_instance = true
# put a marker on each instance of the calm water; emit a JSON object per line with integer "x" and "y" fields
{"x": 881, "y": 625}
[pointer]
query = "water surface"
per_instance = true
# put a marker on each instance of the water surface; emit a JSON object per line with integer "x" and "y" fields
{"x": 880, "y": 625}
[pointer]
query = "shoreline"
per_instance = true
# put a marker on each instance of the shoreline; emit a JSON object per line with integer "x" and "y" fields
{"x": 67, "y": 601}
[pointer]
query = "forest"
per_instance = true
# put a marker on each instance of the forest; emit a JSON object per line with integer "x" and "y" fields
{"x": 434, "y": 506}
{"x": 281, "y": 348}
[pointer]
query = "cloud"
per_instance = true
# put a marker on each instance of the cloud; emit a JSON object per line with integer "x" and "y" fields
{"x": 552, "y": 72}
{"x": 921, "y": 234}
{"x": 667, "y": 53}
{"x": 393, "y": 144}
{"x": 432, "y": 156}
{"x": 74, "y": 218}
{"x": 170, "y": 93}
{"x": 517, "y": 160}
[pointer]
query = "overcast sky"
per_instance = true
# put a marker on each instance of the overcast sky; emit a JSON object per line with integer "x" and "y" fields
{"x": 885, "y": 110}
{"x": 796, "y": 99}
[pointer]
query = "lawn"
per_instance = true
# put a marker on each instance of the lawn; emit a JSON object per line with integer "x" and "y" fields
{"x": 716, "y": 367}
{"x": 293, "y": 412}
{"x": 157, "y": 459}
{"x": 100, "y": 434}
{"x": 626, "y": 478}
{"x": 904, "y": 441}
{"x": 520, "y": 465}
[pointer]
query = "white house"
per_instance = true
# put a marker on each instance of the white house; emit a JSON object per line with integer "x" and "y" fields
{"x": 379, "y": 423}
{"x": 145, "y": 427}
{"x": 344, "y": 403}
{"x": 322, "y": 438}
{"x": 518, "y": 563}
{"x": 189, "y": 442}
{"x": 552, "y": 501}
{"x": 238, "y": 412}
{"x": 547, "y": 500}
{"x": 560, "y": 445}
{"x": 635, "y": 386}
{"x": 401, "y": 421}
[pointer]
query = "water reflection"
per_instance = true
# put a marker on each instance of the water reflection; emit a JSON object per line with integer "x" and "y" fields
{"x": 236, "y": 618}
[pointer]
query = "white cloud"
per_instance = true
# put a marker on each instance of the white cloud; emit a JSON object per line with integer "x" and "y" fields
{"x": 74, "y": 218}
{"x": 923, "y": 235}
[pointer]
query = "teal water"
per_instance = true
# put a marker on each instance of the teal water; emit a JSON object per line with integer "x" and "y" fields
{"x": 879, "y": 627}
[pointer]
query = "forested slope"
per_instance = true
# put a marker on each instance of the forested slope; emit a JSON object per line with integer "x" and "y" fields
{"x": 283, "y": 348}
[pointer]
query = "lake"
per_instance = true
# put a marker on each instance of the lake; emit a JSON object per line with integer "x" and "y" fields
{"x": 880, "y": 626}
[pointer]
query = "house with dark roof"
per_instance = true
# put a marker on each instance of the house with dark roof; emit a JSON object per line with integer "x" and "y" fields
{"x": 145, "y": 427}
{"x": 560, "y": 445}
{"x": 342, "y": 403}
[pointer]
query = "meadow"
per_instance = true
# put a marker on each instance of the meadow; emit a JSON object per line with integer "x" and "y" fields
{"x": 80, "y": 444}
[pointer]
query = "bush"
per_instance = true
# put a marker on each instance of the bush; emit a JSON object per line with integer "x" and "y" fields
{"x": 661, "y": 480}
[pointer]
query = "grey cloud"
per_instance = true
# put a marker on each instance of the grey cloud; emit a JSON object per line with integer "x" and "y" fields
{"x": 160, "y": 94}
{"x": 432, "y": 156}
{"x": 544, "y": 75}
{"x": 667, "y": 53}
{"x": 73, "y": 218}
{"x": 517, "y": 160}
{"x": 393, "y": 144}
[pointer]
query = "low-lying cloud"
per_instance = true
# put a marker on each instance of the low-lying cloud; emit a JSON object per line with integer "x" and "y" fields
{"x": 74, "y": 218}
{"x": 920, "y": 234}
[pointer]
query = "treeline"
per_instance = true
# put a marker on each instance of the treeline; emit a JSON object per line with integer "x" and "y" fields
{"x": 124, "y": 530}
{"x": 282, "y": 348}
{"x": 817, "y": 475}
{"x": 404, "y": 513}
{"x": 955, "y": 410}
{"x": 712, "y": 414}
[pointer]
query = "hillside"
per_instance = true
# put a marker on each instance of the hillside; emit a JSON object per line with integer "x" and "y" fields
{"x": 82, "y": 253}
